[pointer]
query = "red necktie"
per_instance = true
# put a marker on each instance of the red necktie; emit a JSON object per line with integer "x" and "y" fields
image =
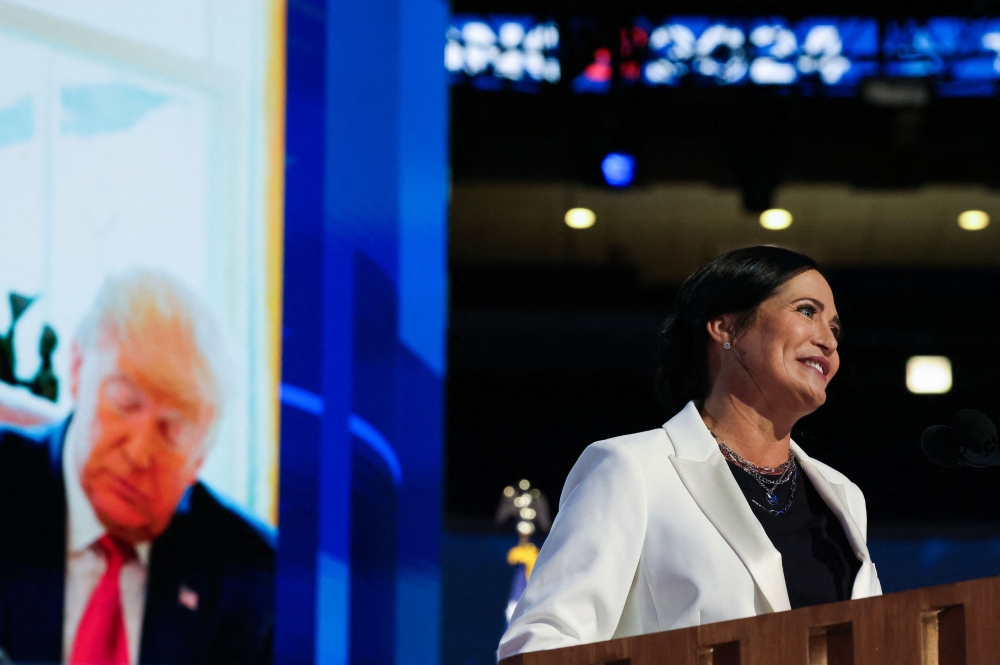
{"x": 100, "y": 637}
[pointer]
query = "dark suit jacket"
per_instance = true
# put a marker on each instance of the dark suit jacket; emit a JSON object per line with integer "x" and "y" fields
{"x": 209, "y": 549}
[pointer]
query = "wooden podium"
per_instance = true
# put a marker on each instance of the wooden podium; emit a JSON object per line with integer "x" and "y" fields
{"x": 955, "y": 624}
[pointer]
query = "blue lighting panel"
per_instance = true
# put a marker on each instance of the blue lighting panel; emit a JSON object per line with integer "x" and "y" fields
{"x": 815, "y": 55}
{"x": 915, "y": 50}
{"x": 364, "y": 314}
{"x": 961, "y": 56}
{"x": 502, "y": 52}
{"x": 711, "y": 51}
{"x": 774, "y": 49}
{"x": 832, "y": 52}
{"x": 838, "y": 52}
{"x": 976, "y": 68}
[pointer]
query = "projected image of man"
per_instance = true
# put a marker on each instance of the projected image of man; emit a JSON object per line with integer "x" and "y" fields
{"x": 116, "y": 553}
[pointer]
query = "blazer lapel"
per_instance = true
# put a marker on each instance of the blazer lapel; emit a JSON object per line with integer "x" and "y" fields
{"x": 173, "y": 618}
{"x": 835, "y": 497}
{"x": 176, "y": 596}
{"x": 706, "y": 475}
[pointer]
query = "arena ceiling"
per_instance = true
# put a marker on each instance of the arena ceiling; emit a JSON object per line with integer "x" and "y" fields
{"x": 668, "y": 229}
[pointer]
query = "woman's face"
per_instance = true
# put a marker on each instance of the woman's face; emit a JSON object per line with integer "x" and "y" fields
{"x": 790, "y": 348}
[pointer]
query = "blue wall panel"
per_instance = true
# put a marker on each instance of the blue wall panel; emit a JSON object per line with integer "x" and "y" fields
{"x": 424, "y": 182}
{"x": 373, "y": 560}
{"x": 302, "y": 338}
{"x": 363, "y": 129}
{"x": 365, "y": 310}
{"x": 374, "y": 345}
{"x": 419, "y": 432}
{"x": 423, "y": 298}
{"x": 333, "y": 593}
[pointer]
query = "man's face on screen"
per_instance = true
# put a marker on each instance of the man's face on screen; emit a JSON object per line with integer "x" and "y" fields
{"x": 147, "y": 442}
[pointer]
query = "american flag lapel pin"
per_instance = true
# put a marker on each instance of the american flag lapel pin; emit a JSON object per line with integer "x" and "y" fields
{"x": 188, "y": 597}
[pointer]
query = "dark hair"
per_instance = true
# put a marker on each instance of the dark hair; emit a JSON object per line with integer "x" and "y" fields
{"x": 735, "y": 283}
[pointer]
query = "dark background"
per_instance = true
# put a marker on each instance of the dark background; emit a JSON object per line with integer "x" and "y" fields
{"x": 545, "y": 361}
{"x": 551, "y": 353}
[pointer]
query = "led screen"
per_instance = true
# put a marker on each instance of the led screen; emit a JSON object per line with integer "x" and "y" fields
{"x": 138, "y": 344}
{"x": 498, "y": 52}
{"x": 816, "y": 55}
{"x": 831, "y": 52}
{"x": 962, "y": 56}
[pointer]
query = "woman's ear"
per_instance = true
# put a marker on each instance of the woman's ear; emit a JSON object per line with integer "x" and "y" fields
{"x": 720, "y": 328}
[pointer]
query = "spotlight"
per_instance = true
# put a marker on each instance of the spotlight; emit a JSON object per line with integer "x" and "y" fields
{"x": 775, "y": 219}
{"x": 618, "y": 169}
{"x": 928, "y": 375}
{"x": 973, "y": 220}
{"x": 580, "y": 218}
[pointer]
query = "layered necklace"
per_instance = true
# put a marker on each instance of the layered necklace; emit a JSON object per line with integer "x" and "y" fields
{"x": 768, "y": 477}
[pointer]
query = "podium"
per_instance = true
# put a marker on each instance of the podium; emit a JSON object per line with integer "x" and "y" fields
{"x": 954, "y": 624}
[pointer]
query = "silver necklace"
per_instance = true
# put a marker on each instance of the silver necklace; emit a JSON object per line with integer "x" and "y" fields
{"x": 779, "y": 511}
{"x": 764, "y": 476}
{"x": 767, "y": 482}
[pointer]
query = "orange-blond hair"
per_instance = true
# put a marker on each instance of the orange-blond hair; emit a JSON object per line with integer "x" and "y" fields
{"x": 165, "y": 337}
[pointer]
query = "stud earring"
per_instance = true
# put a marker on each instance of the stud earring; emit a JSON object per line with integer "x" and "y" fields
{"x": 727, "y": 345}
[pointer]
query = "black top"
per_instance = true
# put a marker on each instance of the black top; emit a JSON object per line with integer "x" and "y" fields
{"x": 816, "y": 556}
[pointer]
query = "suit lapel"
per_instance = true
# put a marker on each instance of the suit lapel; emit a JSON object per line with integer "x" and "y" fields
{"x": 176, "y": 596}
{"x": 171, "y": 626}
{"x": 835, "y": 497}
{"x": 707, "y": 477}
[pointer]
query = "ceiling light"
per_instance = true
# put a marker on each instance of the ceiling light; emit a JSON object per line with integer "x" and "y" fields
{"x": 580, "y": 218}
{"x": 928, "y": 375}
{"x": 775, "y": 219}
{"x": 973, "y": 220}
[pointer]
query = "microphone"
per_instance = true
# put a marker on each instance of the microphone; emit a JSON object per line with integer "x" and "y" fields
{"x": 970, "y": 439}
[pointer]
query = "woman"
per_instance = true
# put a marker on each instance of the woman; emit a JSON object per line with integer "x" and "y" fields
{"x": 718, "y": 514}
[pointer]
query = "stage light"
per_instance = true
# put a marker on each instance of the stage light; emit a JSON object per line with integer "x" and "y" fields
{"x": 510, "y": 65}
{"x": 454, "y": 56}
{"x": 477, "y": 32}
{"x": 973, "y": 220}
{"x": 553, "y": 70}
{"x": 618, "y": 169}
{"x": 489, "y": 50}
{"x": 775, "y": 219}
{"x": 928, "y": 375}
{"x": 768, "y": 71}
{"x": 534, "y": 64}
{"x": 580, "y": 218}
{"x": 511, "y": 34}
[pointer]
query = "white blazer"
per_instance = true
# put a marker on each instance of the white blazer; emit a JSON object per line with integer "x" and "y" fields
{"x": 653, "y": 533}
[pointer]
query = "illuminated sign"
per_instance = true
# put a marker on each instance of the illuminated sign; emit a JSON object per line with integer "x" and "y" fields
{"x": 498, "y": 52}
{"x": 825, "y": 55}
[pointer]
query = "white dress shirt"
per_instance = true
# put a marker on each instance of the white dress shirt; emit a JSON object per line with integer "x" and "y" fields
{"x": 654, "y": 533}
{"x": 85, "y": 563}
